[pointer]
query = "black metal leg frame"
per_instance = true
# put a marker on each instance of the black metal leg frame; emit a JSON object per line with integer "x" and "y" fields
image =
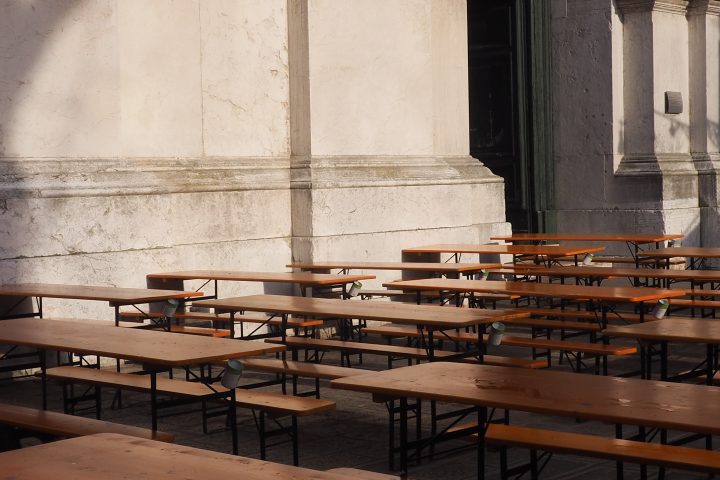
{"x": 402, "y": 411}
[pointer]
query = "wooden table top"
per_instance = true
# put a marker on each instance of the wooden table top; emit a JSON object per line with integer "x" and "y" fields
{"x": 692, "y": 252}
{"x": 114, "y": 295}
{"x": 547, "y": 250}
{"x": 302, "y": 278}
{"x": 115, "y": 457}
{"x": 608, "y": 272}
{"x": 630, "y": 401}
{"x": 162, "y": 348}
{"x": 406, "y": 266}
{"x": 669, "y": 329}
{"x": 430, "y": 315}
{"x": 588, "y": 237}
{"x": 532, "y": 289}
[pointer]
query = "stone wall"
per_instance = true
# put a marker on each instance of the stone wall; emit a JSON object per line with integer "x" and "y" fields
{"x": 614, "y": 61}
{"x": 242, "y": 134}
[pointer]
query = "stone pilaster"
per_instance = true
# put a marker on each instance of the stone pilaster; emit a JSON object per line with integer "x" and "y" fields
{"x": 655, "y": 60}
{"x": 379, "y": 130}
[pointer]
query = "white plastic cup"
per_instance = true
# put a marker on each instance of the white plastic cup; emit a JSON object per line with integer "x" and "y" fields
{"x": 587, "y": 260}
{"x": 661, "y": 309}
{"x": 232, "y": 374}
{"x": 484, "y": 274}
{"x": 170, "y": 308}
{"x": 355, "y": 289}
{"x": 497, "y": 329}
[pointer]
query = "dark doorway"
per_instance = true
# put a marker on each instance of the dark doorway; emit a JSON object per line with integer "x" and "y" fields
{"x": 498, "y": 33}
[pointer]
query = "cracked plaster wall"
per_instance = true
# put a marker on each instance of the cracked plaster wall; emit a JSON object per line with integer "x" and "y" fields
{"x": 144, "y": 136}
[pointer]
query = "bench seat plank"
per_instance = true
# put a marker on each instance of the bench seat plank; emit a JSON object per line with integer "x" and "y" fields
{"x": 670, "y": 456}
{"x": 64, "y": 425}
{"x": 580, "y": 314}
{"x": 394, "y": 350}
{"x": 303, "y": 369}
{"x": 514, "y": 341}
{"x": 224, "y": 317}
{"x": 269, "y": 401}
{"x": 681, "y": 302}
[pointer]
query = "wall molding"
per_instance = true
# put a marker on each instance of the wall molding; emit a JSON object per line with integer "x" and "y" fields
{"x": 704, "y": 7}
{"x": 384, "y": 171}
{"x": 101, "y": 177}
{"x": 678, "y": 7}
{"x": 706, "y": 163}
{"x": 659, "y": 164}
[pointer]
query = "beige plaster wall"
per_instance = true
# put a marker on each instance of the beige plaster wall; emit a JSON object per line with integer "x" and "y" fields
{"x": 144, "y": 136}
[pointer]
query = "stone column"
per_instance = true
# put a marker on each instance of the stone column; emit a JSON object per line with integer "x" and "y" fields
{"x": 379, "y": 130}
{"x": 704, "y": 29}
{"x": 657, "y": 144}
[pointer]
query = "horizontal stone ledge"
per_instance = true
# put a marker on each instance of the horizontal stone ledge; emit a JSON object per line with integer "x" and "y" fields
{"x": 678, "y": 7}
{"x": 83, "y": 177}
{"x": 656, "y": 165}
{"x": 387, "y": 171}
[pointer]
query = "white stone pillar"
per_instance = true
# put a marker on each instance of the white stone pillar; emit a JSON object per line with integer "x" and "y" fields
{"x": 655, "y": 61}
{"x": 379, "y": 130}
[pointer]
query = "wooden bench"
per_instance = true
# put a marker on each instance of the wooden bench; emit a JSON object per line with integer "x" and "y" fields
{"x": 66, "y": 426}
{"x": 391, "y": 351}
{"x": 298, "y": 369}
{"x": 217, "y": 318}
{"x": 301, "y": 369}
{"x": 579, "y": 314}
{"x": 272, "y": 404}
{"x": 596, "y": 349}
{"x": 668, "y": 456}
{"x": 369, "y": 293}
{"x": 694, "y": 303}
{"x": 627, "y": 260}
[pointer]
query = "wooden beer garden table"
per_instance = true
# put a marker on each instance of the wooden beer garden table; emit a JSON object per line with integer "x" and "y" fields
{"x": 632, "y": 240}
{"x": 111, "y": 456}
{"x": 548, "y": 252}
{"x": 673, "y": 330}
{"x": 665, "y": 276}
{"x": 601, "y": 295}
{"x": 161, "y": 349}
{"x": 444, "y": 269}
{"x": 427, "y": 318}
{"x": 116, "y": 296}
{"x": 695, "y": 255}
{"x": 620, "y": 401}
{"x": 304, "y": 280}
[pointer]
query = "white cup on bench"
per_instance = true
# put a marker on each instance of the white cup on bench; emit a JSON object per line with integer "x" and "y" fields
{"x": 661, "y": 308}
{"x": 170, "y": 308}
{"x": 587, "y": 259}
{"x": 355, "y": 289}
{"x": 232, "y": 374}
{"x": 497, "y": 329}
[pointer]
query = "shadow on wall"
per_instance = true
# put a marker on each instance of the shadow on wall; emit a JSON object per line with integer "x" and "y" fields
{"x": 24, "y": 25}
{"x": 713, "y": 128}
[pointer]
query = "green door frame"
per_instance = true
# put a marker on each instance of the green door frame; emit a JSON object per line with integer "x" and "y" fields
{"x": 541, "y": 132}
